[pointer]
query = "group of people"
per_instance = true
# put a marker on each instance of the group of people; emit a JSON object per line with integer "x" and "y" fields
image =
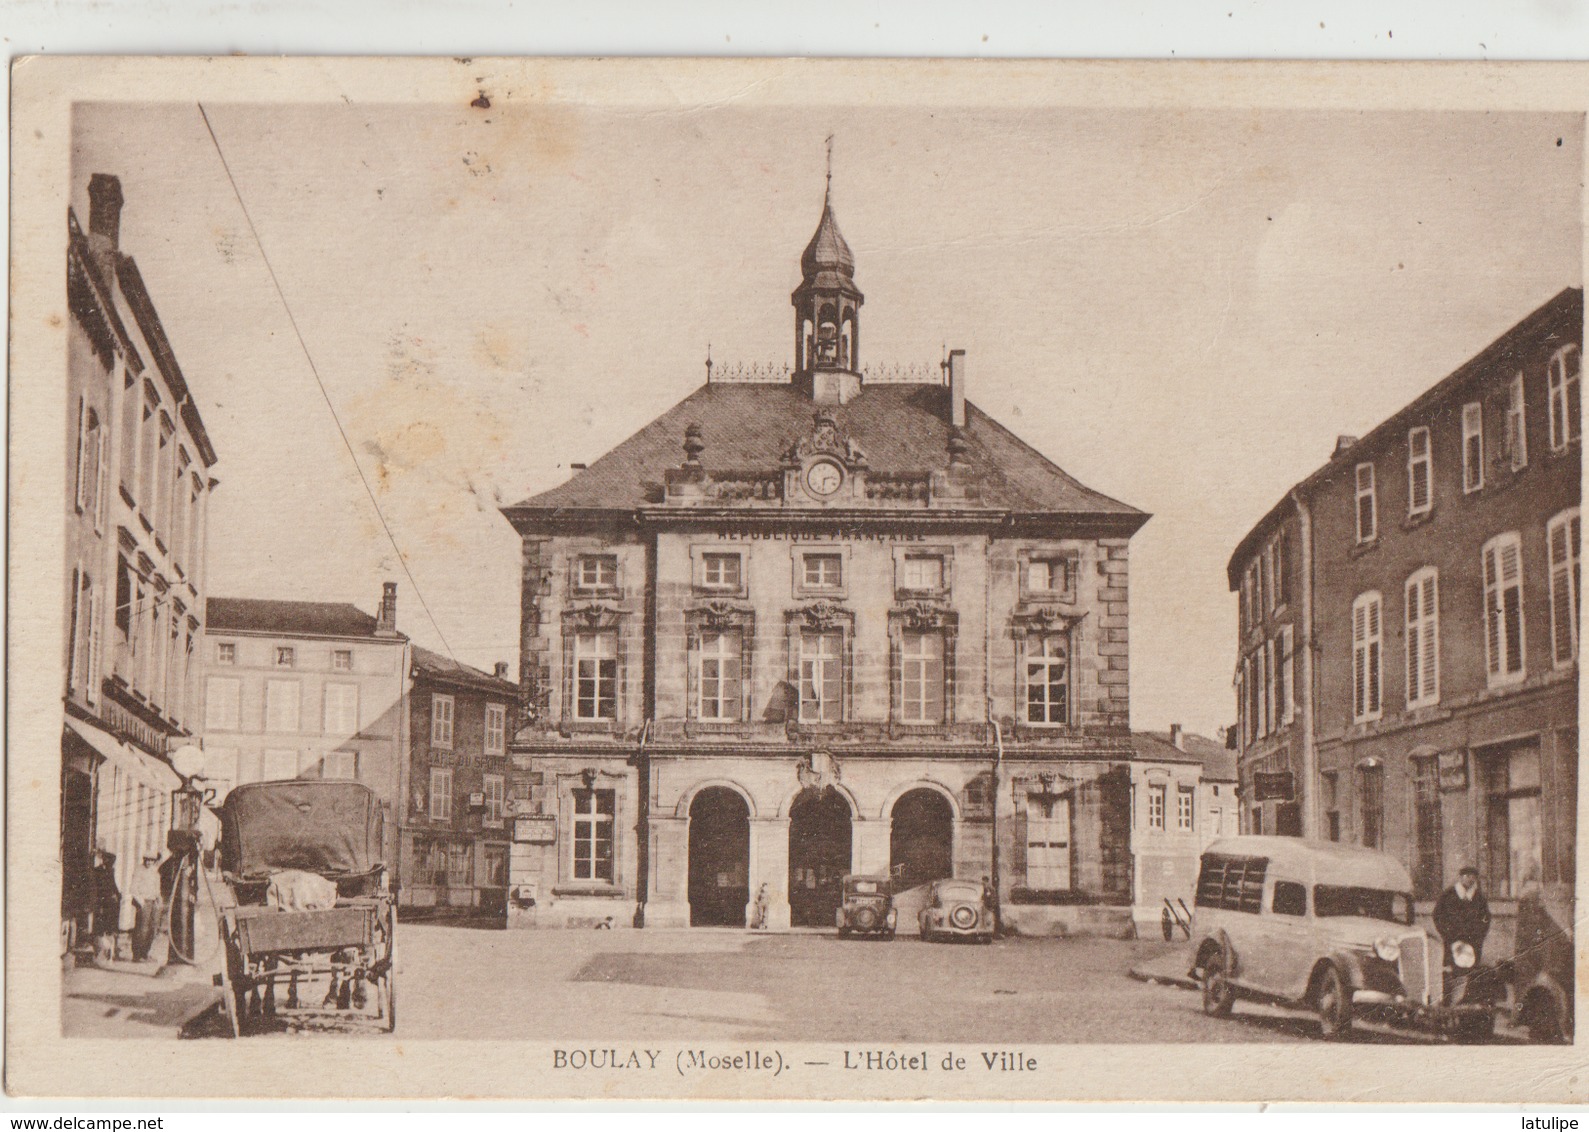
{"x": 136, "y": 914}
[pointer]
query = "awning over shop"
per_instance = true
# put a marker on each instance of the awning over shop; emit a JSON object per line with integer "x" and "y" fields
{"x": 139, "y": 765}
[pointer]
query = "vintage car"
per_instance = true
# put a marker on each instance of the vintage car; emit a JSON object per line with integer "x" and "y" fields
{"x": 956, "y": 909}
{"x": 1540, "y": 972}
{"x": 1325, "y": 927}
{"x": 868, "y": 907}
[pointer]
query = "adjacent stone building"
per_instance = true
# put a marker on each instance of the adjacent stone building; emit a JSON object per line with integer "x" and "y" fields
{"x": 1410, "y": 615}
{"x": 138, "y": 482}
{"x": 824, "y": 620}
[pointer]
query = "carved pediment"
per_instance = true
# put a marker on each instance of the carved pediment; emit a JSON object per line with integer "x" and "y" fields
{"x": 817, "y": 770}
{"x": 922, "y": 614}
{"x": 826, "y": 439}
{"x": 592, "y": 616}
{"x": 822, "y": 614}
{"x": 1045, "y": 618}
{"x": 719, "y": 614}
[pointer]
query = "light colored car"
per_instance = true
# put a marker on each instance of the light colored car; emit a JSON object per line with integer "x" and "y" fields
{"x": 1325, "y": 927}
{"x": 956, "y": 909}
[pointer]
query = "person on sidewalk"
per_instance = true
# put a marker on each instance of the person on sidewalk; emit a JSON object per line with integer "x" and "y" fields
{"x": 1462, "y": 913}
{"x": 106, "y": 905}
{"x": 147, "y": 906}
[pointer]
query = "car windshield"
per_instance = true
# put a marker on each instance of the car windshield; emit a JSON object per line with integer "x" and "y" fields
{"x": 1353, "y": 900}
{"x": 960, "y": 890}
{"x": 864, "y": 887}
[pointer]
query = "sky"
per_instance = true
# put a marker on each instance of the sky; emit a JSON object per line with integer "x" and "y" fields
{"x": 1183, "y": 309}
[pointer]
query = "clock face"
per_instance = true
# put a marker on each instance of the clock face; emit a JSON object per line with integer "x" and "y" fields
{"x": 823, "y": 478}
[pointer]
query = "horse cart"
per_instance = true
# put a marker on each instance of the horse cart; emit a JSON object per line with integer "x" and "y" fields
{"x": 313, "y": 911}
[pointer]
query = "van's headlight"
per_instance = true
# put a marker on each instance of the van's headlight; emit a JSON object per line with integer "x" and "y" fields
{"x": 1387, "y": 949}
{"x": 1463, "y": 955}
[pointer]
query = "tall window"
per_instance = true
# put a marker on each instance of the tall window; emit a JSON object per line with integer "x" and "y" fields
{"x": 342, "y": 709}
{"x": 441, "y": 710}
{"x": 596, "y": 676}
{"x": 1332, "y": 805}
{"x": 1472, "y": 446}
{"x": 592, "y": 848}
{"x": 495, "y": 789}
{"x": 822, "y": 571}
{"x": 1367, "y": 504}
{"x": 282, "y": 699}
{"x": 221, "y": 697}
{"x": 719, "y": 676}
{"x": 1048, "y": 678}
{"x": 1561, "y": 538}
{"x": 1267, "y": 653}
{"x": 1183, "y": 809}
{"x": 90, "y": 461}
{"x": 1253, "y": 682}
{"x": 1366, "y": 652}
{"x": 1429, "y": 865}
{"x": 1513, "y": 844}
{"x": 496, "y": 729}
{"x": 596, "y": 572}
{"x": 1371, "y": 805}
{"x": 921, "y": 677}
{"x": 1158, "y": 793}
{"x": 91, "y": 611}
{"x": 1423, "y": 638}
{"x": 720, "y": 571}
{"x": 1285, "y": 686}
{"x": 1420, "y": 472}
{"x": 821, "y": 676}
{"x": 1503, "y": 606}
{"x": 1565, "y": 402}
{"x": 1047, "y": 843}
{"x": 1282, "y": 567}
{"x": 441, "y": 793}
{"x": 460, "y": 864}
{"x": 1517, "y": 425}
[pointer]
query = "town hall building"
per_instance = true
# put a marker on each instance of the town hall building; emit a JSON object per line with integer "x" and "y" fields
{"x": 830, "y": 620}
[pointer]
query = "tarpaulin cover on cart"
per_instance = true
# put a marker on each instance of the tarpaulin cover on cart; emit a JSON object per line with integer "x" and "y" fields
{"x": 330, "y": 828}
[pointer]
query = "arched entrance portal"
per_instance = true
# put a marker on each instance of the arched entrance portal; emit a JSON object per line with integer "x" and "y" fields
{"x": 719, "y": 858}
{"x": 819, "y": 856}
{"x": 921, "y": 844}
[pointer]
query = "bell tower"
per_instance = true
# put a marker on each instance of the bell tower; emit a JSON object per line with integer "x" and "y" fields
{"x": 827, "y": 307}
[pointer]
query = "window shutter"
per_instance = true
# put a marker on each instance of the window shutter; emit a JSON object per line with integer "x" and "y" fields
{"x": 1431, "y": 637}
{"x": 91, "y": 683}
{"x": 82, "y": 439}
{"x": 1018, "y": 850}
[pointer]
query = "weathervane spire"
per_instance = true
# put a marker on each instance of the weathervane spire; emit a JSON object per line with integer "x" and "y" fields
{"x": 828, "y": 194}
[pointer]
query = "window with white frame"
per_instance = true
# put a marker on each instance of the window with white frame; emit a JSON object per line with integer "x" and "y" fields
{"x": 1561, "y": 539}
{"x": 495, "y": 789}
{"x": 92, "y": 612}
{"x": 496, "y": 729}
{"x": 286, "y": 656}
{"x": 1268, "y": 660}
{"x": 1158, "y": 794}
{"x": 1048, "y": 678}
{"x": 225, "y": 652}
{"x": 1423, "y": 638}
{"x": 1367, "y": 644}
{"x": 921, "y": 572}
{"x": 278, "y": 764}
{"x": 1420, "y": 472}
{"x": 342, "y": 709}
{"x": 340, "y": 764}
{"x": 592, "y": 846}
{"x": 596, "y": 676}
{"x": 720, "y": 571}
{"x": 1517, "y": 425}
{"x": 342, "y": 660}
{"x": 719, "y": 676}
{"x": 1565, "y": 400}
{"x": 822, "y": 571}
{"x": 821, "y": 676}
{"x": 1055, "y": 574}
{"x": 1183, "y": 809}
{"x": 441, "y": 793}
{"x": 1503, "y": 608}
{"x": 221, "y": 699}
{"x": 1285, "y": 688}
{"x": 596, "y": 572}
{"x": 921, "y": 676}
{"x": 1472, "y": 447}
{"x": 282, "y": 700}
{"x": 441, "y": 717}
{"x": 1367, "y": 505}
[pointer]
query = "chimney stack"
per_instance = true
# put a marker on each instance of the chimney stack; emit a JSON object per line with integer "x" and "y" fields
{"x": 957, "y": 388}
{"x": 500, "y": 671}
{"x": 386, "y": 620}
{"x": 1177, "y": 737}
{"x": 1343, "y": 444}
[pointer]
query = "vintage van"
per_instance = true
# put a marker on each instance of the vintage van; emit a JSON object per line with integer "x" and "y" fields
{"x": 1325, "y": 927}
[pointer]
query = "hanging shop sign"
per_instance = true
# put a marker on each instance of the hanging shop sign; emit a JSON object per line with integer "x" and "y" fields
{"x": 1274, "y": 786}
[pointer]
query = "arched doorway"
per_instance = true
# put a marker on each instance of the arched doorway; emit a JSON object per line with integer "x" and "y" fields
{"x": 819, "y": 856}
{"x": 921, "y": 838}
{"x": 719, "y": 858}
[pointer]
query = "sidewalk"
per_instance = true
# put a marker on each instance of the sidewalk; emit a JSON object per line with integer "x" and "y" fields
{"x": 127, "y": 1003}
{"x": 1169, "y": 968}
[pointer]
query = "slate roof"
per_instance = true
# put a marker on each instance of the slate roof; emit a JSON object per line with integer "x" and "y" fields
{"x": 288, "y": 618}
{"x": 1219, "y": 763}
{"x": 442, "y": 668}
{"x": 899, "y": 427}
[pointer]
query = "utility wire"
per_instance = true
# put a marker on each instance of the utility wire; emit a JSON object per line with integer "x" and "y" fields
{"x": 347, "y": 443}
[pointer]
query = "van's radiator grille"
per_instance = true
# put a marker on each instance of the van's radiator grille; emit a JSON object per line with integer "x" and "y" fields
{"x": 1414, "y": 966}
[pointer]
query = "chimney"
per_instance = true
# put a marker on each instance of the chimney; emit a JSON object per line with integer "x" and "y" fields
{"x": 1342, "y": 444}
{"x": 104, "y": 207}
{"x": 386, "y": 620}
{"x": 1177, "y": 737}
{"x": 957, "y": 388}
{"x": 500, "y": 670}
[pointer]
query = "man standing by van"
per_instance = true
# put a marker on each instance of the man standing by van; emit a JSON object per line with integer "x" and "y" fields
{"x": 1462, "y": 913}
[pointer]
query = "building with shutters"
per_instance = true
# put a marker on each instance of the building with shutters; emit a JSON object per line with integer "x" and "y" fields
{"x": 1408, "y": 674}
{"x": 462, "y": 789}
{"x": 139, "y": 480}
{"x": 823, "y": 619}
{"x": 308, "y": 689}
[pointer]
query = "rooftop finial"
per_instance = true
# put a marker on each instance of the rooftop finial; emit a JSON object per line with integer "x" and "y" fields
{"x": 828, "y": 193}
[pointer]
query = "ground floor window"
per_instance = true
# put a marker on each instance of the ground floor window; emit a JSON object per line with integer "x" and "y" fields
{"x": 1332, "y": 805}
{"x": 460, "y": 864}
{"x": 1047, "y": 842}
{"x": 1371, "y": 805}
{"x": 495, "y": 874}
{"x": 1072, "y": 837}
{"x": 433, "y": 863}
{"x": 593, "y": 828}
{"x": 1512, "y": 834}
{"x": 1429, "y": 865}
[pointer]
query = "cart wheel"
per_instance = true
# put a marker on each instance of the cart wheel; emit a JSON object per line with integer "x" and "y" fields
{"x": 232, "y": 997}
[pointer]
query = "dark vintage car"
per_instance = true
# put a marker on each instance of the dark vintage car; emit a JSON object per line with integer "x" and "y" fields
{"x": 956, "y": 909}
{"x": 1540, "y": 973}
{"x": 867, "y": 907}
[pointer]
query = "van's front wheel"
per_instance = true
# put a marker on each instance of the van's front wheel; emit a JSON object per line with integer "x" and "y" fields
{"x": 1333, "y": 1000}
{"x": 1219, "y": 997}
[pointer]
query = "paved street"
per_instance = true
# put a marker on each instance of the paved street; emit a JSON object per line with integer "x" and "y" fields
{"x": 726, "y": 984}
